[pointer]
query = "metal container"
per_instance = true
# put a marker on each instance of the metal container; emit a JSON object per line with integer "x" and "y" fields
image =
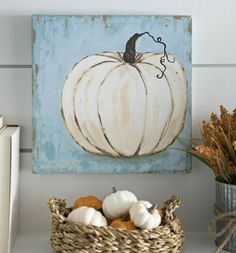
{"x": 225, "y": 202}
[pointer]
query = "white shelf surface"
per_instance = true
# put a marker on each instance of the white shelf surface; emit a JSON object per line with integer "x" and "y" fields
{"x": 196, "y": 242}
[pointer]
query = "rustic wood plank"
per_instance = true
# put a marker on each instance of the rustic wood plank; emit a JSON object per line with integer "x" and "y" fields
{"x": 214, "y": 36}
{"x": 15, "y": 40}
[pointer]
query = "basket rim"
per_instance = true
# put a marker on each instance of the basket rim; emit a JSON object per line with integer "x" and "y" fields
{"x": 59, "y": 216}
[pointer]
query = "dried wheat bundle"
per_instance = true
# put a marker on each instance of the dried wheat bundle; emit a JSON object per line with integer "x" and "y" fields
{"x": 218, "y": 147}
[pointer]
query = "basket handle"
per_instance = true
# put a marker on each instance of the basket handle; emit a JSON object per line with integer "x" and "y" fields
{"x": 170, "y": 206}
{"x": 58, "y": 208}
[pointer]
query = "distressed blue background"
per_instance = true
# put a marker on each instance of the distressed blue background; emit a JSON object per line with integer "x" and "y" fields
{"x": 61, "y": 41}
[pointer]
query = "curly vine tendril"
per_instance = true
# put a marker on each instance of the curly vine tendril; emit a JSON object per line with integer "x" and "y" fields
{"x": 129, "y": 54}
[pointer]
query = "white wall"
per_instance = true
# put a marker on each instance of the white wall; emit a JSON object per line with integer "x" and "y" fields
{"x": 214, "y": 83}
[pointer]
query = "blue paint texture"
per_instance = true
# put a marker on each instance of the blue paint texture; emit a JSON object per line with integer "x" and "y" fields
{"x": 61, "y": 41}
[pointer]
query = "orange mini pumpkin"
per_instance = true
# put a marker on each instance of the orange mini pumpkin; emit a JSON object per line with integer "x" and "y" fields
{"x": 89, "y": 201}
{"x": 125, "y": 224}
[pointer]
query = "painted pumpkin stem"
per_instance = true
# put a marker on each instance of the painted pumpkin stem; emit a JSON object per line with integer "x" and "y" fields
{"x": 130, "y": 50}
{"x": 152, "y": 208}
{"x": 114, "y": 189}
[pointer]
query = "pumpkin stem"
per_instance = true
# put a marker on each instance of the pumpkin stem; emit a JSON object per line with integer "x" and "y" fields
{"x": 130, "y": 51}
{"x": 152, "y": 208}
{"x": 114, "y": 189}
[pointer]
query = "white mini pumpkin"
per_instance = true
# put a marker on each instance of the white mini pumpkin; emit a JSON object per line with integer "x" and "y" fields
{"x": 87, "y": 216}
{"x": 118, "y": 204}
{"x": 118, "y": 107}
{"x": 145, "y": 215}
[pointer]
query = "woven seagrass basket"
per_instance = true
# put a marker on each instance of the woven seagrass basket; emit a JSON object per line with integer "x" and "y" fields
{"x": 67, "y": 237}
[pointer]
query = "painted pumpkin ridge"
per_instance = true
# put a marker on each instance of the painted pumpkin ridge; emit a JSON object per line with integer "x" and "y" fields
{"x": 89, "y": 137}
{"x": 99, "y": 114}
{"x": 126, "y": 67}
{"x": 170, "y": 113}
{"x": 109, "y": 56}
{"x": 171, "y": 109}
{"x": 145, "y": 110}
{"x": 62, "y": 111}
{"x": 179, "y": 74}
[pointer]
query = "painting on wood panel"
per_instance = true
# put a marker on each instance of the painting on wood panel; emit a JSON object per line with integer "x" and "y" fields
{"x": 111, "y": 94}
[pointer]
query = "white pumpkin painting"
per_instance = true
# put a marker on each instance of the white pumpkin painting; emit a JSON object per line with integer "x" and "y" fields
{"x": 111, "y": 94}
{"x": 125, "y": 104}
